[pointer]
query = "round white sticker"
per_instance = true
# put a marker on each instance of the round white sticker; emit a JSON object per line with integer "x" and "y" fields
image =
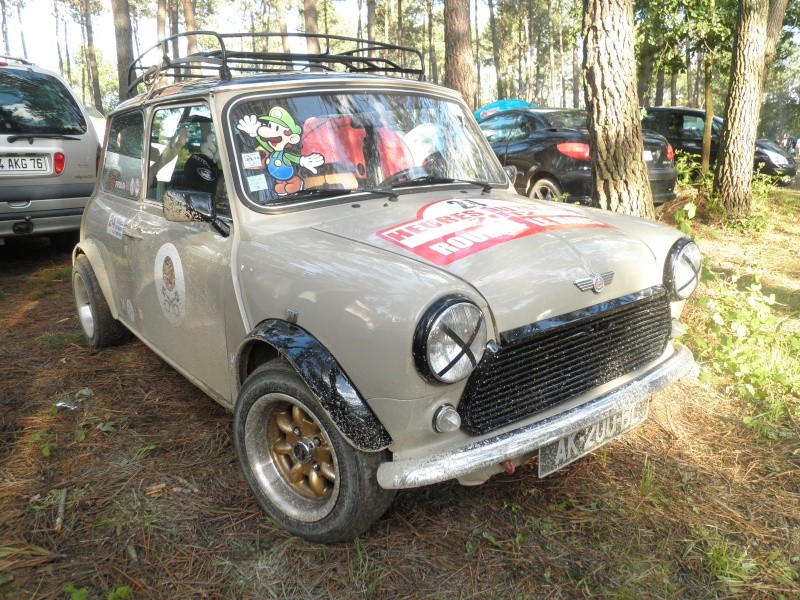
{"x": 170, "y": 284}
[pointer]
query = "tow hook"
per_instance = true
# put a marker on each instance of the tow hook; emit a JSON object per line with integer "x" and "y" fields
{"x": 23, "y": 227}
{"x": 508, "y": 466}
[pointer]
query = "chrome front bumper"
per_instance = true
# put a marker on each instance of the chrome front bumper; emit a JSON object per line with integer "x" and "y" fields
{"x": 490, "y": 452}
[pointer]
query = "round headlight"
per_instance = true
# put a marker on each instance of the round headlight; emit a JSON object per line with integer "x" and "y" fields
{"x": 682, "y": 270}
{"x": 450, "y": 340}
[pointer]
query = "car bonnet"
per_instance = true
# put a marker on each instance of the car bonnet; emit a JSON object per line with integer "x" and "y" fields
{"x": 527, "y": 259}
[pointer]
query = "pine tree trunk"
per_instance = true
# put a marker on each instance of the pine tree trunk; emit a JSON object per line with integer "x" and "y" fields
{"x": 280, "y": 15}
{"x": 161, "y": 20}
{"x": 708, "y": 94}
{"x": 123, "y": 33}
{"x": 91, "y": 58}
{"x": 659, "y": 100}
{"x": 576, "y": 78}
{"x": 619, "y": 173}
{"x": 310, "y": 23}
{"x": 189, "y": 22}
{"x": 501, "y": 91}
{"x": 5, "y": 27}
{"x": 777, "y": 11}
{"x": 735, "y": 163}
{"x": 458, "y": 72}
{"x": 21, "y": 31}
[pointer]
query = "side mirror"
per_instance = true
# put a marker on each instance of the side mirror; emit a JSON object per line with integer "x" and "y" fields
{"x": 511, "y": 173}
{"x": 187, "y": 206}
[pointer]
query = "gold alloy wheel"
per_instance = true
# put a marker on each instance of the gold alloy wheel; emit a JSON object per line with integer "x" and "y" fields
{"x": 301, "y": 452}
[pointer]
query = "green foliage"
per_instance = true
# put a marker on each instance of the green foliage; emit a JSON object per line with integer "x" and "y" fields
{"x": 744, "y": 348}
{"x": 76, "y": 593}
{"x": 684, "y": 216}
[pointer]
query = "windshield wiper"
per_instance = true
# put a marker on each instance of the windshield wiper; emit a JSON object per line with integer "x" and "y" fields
{"x": 433, "y": 179}
{"x": 315, "y": 193}
{"x": 44, "y": 136}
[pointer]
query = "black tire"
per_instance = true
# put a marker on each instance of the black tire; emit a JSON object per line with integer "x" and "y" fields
{"x": 304, "y": 474}
{"x": 545, "y": 189}
{"x": 99, "y": 328}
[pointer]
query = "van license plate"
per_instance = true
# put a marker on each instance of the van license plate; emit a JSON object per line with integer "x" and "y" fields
{"x": 572, "y": 446}
{"x": 23, "y": 164}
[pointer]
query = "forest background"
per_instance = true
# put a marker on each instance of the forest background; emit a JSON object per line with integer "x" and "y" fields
{"x": 530, "y": 49}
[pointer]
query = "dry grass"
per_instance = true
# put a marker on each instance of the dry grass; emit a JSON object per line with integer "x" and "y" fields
{"x": 689, "y": 505}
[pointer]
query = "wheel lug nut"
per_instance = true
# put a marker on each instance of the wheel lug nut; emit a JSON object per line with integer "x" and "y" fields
{"x": 297, "y": 431}
{"x": 317, "y": 441}
{"x": 315, "y": 466}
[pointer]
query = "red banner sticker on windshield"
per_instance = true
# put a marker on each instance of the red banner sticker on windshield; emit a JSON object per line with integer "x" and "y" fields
{"x": 449, "y": 230}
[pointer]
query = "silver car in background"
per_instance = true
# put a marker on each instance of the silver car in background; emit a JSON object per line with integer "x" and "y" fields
{"x": 48, "y": 154}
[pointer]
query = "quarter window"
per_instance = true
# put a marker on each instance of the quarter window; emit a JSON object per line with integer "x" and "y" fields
{"x": 122, "y": 168}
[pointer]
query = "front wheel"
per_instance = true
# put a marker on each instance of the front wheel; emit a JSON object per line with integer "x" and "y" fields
{"x": 304, "y": 474}
{"x": 100, "y": 328}
{"x": 545, "y": 189}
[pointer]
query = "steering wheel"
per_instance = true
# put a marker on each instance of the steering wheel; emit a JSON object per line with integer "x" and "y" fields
{"x": 403, "y": 176}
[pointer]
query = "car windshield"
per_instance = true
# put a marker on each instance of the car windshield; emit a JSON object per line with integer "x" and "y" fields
{"x": 566, "y": 118}
{"x": 312, "y": 146}
{"x": 33, "y": 102}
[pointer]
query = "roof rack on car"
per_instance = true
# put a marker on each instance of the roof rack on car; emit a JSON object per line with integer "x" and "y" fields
{"x": 13, "y": 59}
{"x": 232, "y": 54}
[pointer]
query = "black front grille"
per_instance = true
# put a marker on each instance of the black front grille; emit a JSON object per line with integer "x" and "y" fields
{"x": 549, "y": 362}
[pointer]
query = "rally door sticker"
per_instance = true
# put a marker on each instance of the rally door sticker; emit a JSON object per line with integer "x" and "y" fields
{"x": 449, "y": 230}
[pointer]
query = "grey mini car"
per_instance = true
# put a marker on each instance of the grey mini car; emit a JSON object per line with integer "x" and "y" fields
{"x": 337, "y": 256}
{"x": 49, "y": 151}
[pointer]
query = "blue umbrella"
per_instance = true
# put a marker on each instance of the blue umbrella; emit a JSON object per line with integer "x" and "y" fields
{"x": 501, "y": 105}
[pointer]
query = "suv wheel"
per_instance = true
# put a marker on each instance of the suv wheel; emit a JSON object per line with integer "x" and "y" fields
{"x": 100, "y": 329}
{"x": 305, "y": 475}
{"x": 545, "y": 189}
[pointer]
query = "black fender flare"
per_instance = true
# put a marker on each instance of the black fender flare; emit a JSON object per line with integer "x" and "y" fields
{"x": 325, "y": 378}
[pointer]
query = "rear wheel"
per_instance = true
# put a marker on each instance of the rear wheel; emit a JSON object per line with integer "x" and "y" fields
{"x": 100, "y": 328}
{"x": 545, "y": 189}
{"x": 304, "y": 474}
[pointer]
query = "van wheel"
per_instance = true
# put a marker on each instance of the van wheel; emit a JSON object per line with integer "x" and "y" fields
{"x": 304, "y": 474}
{"x": 545, "y": 189}
{"x": 100, "y": 329}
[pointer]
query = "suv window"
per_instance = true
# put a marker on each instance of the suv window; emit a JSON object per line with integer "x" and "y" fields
{"x": 122, "y": 168}
{"x": 32, "y": 102}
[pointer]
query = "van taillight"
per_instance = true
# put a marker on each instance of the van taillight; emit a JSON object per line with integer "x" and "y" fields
{"x": 670, "y": 153}
{"x": 59, "y": 160}
{"x": 576, "y": 150}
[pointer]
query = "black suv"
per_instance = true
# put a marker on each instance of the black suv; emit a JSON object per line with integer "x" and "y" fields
{"x": 550, "y": 149}
{"x": 683, "y": 127}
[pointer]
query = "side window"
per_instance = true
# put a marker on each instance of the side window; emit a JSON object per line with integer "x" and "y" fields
{"x": 650, "y": 122}
{"x": 692, "y": 126}
{"x": 122, "y": 167}
{"x": 183, "y": 154}
{"x": 498, "y": 129}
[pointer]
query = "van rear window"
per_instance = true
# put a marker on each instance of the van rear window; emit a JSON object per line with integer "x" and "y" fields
{"x": 33, "y": 102}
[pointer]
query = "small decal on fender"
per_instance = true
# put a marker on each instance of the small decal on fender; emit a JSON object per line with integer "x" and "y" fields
{"x": 449, "y": 230}
{"x": 115, "y": 224}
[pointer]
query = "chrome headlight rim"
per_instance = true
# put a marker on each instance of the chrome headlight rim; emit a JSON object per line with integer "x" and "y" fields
{"x": 681, "y": 255}
{"x": 428, "y": 325}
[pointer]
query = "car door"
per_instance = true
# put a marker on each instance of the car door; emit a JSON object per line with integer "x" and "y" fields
{"x": 113, "y": 220}
{"x": 182, "y": 270}
{"x": 527, "y": 138}
{"x": 496, "y": 130}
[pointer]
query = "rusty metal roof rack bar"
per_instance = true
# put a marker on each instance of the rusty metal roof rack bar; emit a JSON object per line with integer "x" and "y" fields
{"x": 229, "y": 57}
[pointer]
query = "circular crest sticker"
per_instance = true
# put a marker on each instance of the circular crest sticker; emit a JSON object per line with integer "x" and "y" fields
{"x": 170, "y": 284}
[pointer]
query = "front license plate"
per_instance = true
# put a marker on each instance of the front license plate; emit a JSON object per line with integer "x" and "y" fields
{"x": 572, "y": 446}
{"x": 23, "y": 164}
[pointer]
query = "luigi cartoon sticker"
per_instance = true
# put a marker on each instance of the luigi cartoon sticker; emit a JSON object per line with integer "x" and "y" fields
{"x": 274, "y": 132}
